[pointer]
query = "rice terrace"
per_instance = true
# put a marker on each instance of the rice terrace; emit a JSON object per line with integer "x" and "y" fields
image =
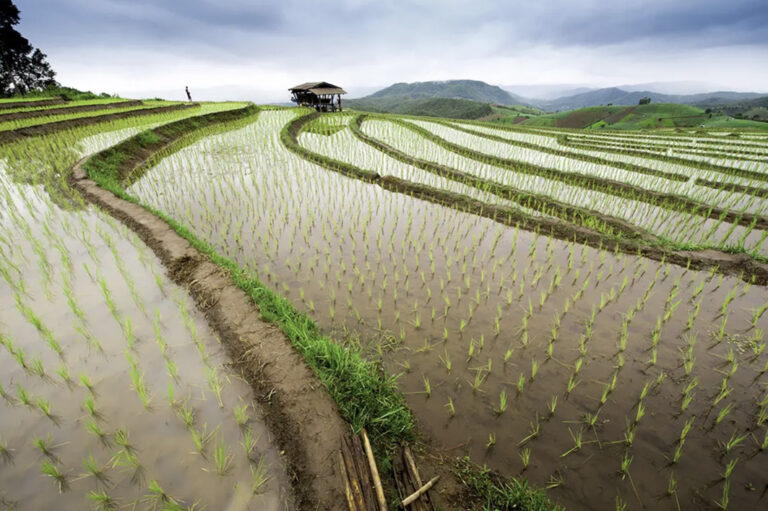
{"x": 438, "y": 295}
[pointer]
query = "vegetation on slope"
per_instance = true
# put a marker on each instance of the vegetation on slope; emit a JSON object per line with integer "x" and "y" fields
{"x": 654, "y": 115}
{"x": 460, "y": 89}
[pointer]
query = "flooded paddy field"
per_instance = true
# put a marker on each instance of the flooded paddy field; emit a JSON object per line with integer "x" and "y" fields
{"x": 115, "y": 391}
{"x": 606, "y": 377}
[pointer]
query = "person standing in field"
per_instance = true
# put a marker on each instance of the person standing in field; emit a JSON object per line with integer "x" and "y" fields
{"x": 189, "y": 96}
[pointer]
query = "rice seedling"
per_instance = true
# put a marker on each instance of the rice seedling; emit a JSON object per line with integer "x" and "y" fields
{"x": 120, "y": 436}
{"x": 89, "y": 405}
{"x": 259, "y": 476}
{"x": 723, "y": 413}
{"x": 733, "y": 442}
{"x": 724, "y": 499}
{"x": 24, "y": 398}
{"x": 95, "y": 429}
{"x": 49, "y": 469}
{"x": 127, "y": 460}
{"x": 157, "y": 498}
{"x": 241, "y": 415}
{"x": 6, "y": 453}
{"x": 214, "y": 382}
{"x": 222, "y": 458}
{"x": 63, "y": 372}
{"x": 201, "y": 438}
{"x": 534, "y": 431}
{"x": 102, "y": 501}
{"x": 626, "y": 461}
{"x": 502, "y": 403}
{"x": 552, "y": 405}
{"x": 577, "y": 441}
{"x": 525, "y": 457}
{"x": 46, "y": 447}
{"x": 249, "y": 442}
{"x": 96, "y": 470}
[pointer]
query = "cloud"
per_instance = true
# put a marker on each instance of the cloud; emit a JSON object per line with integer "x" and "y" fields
{"x": 134, "y": 45}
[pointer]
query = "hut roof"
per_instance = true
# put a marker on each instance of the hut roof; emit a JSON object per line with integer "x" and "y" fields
{"x": 319, "y": 88}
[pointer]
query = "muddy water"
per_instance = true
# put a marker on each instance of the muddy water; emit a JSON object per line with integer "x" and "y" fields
{"x": 429, "y": 284}
{"x": 59, "y": 265}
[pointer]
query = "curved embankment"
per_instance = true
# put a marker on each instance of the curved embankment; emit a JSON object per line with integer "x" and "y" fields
{"x": 10, "y": 105}
{"x": 52, "y": 127}
{"x": 46, "y": 112}
{"x": 621, "y": 189}
{"x": 301, "y": 415}
{"x": 630, "y": 167}
{"x": 741, "y": 264}
{"x": 536, "y": 202}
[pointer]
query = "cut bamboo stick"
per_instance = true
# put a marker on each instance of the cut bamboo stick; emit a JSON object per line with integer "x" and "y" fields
{"x": 414, "y": 474}
{"x": 418, "y": 493}
{"x": 360, "y": 462}
{"x": 374, "y": 472}
{"x": 347, "y": 487}
{"x": 354, "y": 479}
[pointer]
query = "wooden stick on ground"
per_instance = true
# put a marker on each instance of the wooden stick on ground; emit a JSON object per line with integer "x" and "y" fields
{"x": 414, "y": 472}
{"x": 374, "y": 472}
{"x": 418, "y": 493}
{"x": 347, "y": 487}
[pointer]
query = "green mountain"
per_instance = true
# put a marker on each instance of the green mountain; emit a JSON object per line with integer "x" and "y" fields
{"x": 753, "y": 109}
{"x": 653, "y": 115}
{"x": 456, "y": 99}
{"x": 457, "y": 89}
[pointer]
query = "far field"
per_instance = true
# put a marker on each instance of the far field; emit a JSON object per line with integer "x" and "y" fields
{"x": 582, "y": 309}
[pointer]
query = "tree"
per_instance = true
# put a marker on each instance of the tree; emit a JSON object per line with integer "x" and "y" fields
{"x": 23, "y": 68}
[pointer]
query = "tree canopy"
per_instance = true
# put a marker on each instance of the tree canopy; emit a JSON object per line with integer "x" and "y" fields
{"x": 23, "y": 68}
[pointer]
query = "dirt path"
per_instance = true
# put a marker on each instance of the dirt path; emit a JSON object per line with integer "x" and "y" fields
{"x": 300, "y": 414}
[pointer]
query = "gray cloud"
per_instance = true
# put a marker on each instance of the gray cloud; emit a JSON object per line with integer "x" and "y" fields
{"x": 383, "y": 41}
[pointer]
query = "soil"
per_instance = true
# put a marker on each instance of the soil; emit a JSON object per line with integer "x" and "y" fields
{"x": 614, "y": 118}
{"x": 302, "y": 417}
{"x": 23, "y": 104}
{"x": 68, "y": 110}
{"x": 52, "y": 127}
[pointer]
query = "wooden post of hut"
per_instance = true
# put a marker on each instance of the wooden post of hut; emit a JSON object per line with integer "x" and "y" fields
{"x": 318, "y": 95}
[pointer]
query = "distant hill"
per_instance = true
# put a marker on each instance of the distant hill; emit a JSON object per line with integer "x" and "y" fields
{"x": 755, "y": 109}
{"x": 458, "y": 89}
{"x": 451, "y": 108}
{"x": 653, "y": 115}
{"x": 617, "y": 96}
{"x": 457, "y": 99}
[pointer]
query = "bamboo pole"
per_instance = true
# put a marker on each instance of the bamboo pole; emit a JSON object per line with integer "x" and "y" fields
{"x": 374, "y": 472}
{"x": 418, "y": 493}
{"x": 347, "y": 486}
{"x": 414, "y": 472}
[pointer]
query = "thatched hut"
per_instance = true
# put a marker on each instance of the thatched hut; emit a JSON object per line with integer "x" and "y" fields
{"x": 322, "y": 96}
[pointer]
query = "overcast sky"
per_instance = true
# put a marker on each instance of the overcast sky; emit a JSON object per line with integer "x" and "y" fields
{"x": 253, "y": 49}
